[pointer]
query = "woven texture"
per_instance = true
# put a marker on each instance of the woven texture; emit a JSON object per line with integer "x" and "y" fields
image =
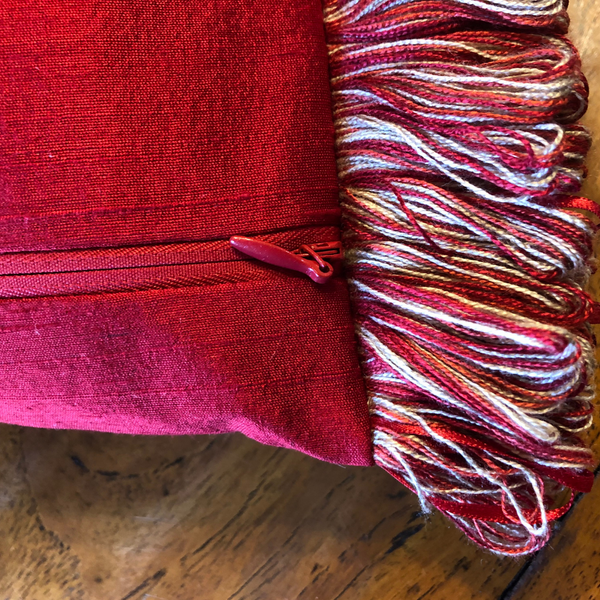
{"x": 136, "y": 138}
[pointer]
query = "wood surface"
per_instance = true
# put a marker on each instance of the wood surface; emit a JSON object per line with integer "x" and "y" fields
{"x": 104, "y": 517}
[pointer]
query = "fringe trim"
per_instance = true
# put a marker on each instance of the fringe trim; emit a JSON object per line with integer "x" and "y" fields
{"x": 458, "y": 157}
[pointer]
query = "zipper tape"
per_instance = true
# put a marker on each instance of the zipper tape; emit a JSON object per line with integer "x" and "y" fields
{"x": 137, "y": 268}
{"x": 160, "y": 224}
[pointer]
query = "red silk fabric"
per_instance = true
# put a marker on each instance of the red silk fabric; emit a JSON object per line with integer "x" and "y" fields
{"x": 136, "y": 137}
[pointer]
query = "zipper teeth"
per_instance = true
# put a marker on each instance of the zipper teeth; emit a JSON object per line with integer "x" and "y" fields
{"x": 70, "y": 261}
{"x": 155, "y": 255}
{"x": 136, "y": 268}
{"x": 165, "y": 224}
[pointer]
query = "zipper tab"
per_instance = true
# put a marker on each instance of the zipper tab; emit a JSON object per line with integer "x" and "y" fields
{"x": 318, "y": 261}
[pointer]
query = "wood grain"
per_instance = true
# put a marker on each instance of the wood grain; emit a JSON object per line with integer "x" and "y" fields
{"x": 569, "y": 567}
{"x": 225, "y": 518}
{"x": 104, "y": 517}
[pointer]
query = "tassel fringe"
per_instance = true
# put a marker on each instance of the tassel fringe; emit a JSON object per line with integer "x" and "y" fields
{"x": 459, "y": 157}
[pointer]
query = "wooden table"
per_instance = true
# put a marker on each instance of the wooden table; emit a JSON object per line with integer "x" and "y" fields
{"x": 97, "y": 516}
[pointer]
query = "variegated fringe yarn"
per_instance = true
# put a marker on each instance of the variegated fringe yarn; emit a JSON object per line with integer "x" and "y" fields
{"x": 459, "y": 159}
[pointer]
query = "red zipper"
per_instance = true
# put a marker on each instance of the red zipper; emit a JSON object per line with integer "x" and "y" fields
{"x": 318, "y": 261}
{"x": 161, "y": 266}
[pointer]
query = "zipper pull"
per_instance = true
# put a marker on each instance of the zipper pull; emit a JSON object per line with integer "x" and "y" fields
{"x": 318, "y": 261}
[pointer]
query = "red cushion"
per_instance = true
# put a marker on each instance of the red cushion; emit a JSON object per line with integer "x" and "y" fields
{"x": 135, "y": 139}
